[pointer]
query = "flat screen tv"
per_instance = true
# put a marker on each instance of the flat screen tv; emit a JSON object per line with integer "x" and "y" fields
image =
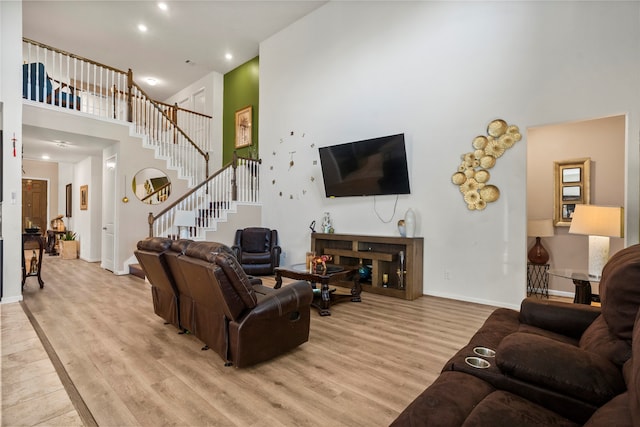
{"x": 370, "y": 167}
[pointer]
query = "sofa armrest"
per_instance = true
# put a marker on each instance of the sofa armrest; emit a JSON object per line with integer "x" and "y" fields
{"x": 294, "y": 297}
{"x": 561, "y": 367}
{"x": 566, "y": 319}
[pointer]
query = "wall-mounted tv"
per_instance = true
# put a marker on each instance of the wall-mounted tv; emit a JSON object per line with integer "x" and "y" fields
{"x": 370, "y": 167}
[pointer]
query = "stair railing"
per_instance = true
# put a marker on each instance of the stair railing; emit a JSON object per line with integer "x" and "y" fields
{"x": 237, "y": 181}
{"x": 65, "y": 80}
{"x": 168, "y": 139}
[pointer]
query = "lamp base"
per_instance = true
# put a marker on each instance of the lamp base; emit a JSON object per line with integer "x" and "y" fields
{"x": 538, "y": 254}
{"x": 184, "y": 232}
{"x": 598, "y": 254}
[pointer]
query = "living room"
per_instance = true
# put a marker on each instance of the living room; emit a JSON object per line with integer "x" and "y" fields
{"x": 408, "y": 99}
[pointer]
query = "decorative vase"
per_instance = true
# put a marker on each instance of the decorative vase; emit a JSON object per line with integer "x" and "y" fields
{"x": 538, "y": 254}
{"x": 401, "y": 228}
{"x": 410, "y": 223}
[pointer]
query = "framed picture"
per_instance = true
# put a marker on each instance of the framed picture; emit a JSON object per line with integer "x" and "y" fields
{"x": 243, "y": 127}
{"x": 84, "y": 197}
{"x": 69, "y": 205}
{"x": 571, "y": 188}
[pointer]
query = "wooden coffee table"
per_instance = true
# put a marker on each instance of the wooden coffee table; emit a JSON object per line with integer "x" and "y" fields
{"x": 334, "y": 273}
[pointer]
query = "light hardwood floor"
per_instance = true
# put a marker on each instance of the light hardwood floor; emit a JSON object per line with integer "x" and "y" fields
{"x": 361, "y": 366}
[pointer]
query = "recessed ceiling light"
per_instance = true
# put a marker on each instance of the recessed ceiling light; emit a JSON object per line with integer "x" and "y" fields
{"x": 45, "y": 157}
{"x": 228, "y": 56}
{"x": 163, "y": 6}
{"x": 142, "y": 28}
{"x": 151, "y": 81}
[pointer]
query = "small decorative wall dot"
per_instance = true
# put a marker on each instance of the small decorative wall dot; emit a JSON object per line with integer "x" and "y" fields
{"x": 313, "y": 178}
{"x": 303, "y": 134}
{"x": 315, "y": 162}
{"x": 291, "y": 133}
{"x": 304, "y": 192}
{"x": 313, "y": 145}
{"x": 280, "y": 194}
{"x": 274, "y": 153}
{"x": 271, "y": 167}
{"x": 273, "y": 182}
{"x": 290, "y": 196}
{"x": 281, "y": 140}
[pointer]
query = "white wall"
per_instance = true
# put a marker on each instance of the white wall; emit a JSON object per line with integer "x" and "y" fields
{"x": 11, "y": 124}
{"x": 440, "y": 72}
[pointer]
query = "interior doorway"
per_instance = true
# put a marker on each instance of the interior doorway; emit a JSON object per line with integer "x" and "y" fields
{"x": 34, "y": 203}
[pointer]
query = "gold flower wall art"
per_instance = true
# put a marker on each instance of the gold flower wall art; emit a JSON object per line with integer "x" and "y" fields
{"x": 473, "y": 174}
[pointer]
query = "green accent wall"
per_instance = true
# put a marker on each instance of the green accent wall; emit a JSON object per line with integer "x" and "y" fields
{"x": 240, "y": 90}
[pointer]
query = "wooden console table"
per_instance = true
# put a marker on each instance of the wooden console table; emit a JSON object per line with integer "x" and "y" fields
{"x": 28, "y": 241}
{"x": 395, "y": 262}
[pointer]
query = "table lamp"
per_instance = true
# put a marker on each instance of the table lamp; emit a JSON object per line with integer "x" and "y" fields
{"x": 183, "y": 220}
{"x": 539, "y": 228}
{"x": 599, "y": 223}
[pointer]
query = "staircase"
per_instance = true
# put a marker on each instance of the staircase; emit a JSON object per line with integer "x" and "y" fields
{"x": 178, "y": 136}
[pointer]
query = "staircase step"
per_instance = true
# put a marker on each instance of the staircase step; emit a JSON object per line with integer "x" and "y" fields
{"x": 136, "y": 270}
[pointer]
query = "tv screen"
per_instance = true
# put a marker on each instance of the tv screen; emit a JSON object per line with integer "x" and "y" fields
{"x": 370, "y": 167}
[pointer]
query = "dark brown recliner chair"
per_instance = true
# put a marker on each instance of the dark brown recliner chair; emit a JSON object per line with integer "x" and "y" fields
{"x": 230, "y": 317}
{"x": 257, "y": 250}
{"x": 150, "y": 255}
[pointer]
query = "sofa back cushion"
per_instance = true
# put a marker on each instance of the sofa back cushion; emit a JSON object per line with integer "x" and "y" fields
{"x": 633, "y": 383}
{"x": 256, "y": 239}
{"x": 207, "y": 251}
{"x": 597, "y": 338}
{"x": 237, "y": 278}
{"x": 154, "y": 244}
{"x": 620, "y": 291}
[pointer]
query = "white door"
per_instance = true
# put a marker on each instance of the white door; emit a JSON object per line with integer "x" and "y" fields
{"x": 109, "y": 214}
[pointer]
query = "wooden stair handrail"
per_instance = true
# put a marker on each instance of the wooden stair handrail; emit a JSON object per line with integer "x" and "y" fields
{"x": 233, "y": 163}
{"x": 164, "y": 114}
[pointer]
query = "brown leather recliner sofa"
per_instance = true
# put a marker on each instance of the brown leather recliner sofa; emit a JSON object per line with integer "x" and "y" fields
{"x": 554, "y": 364}
{"x": 233, "y": 314}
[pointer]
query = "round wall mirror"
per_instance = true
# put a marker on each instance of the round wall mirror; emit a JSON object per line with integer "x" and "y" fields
{"x": 151, "y": 186}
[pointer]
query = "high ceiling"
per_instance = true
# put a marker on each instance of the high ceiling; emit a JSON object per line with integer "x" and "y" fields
{"x": 200, "y": 32}
{"x": 182, "y": 44}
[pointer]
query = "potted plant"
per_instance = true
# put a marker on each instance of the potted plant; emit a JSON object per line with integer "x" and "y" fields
{"x": 68, "y": 245}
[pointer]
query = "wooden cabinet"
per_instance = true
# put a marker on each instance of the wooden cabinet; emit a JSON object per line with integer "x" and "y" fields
{"x": 396, "y": 259}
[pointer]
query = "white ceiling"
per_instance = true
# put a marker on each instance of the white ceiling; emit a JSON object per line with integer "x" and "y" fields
{"x": 200, "y": 32}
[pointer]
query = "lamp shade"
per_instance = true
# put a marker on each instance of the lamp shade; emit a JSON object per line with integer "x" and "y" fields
{"x": 540, "y": 228}
{"x": 185, "y": 219}
{"x": 592, "y": 220}
{"x": 599, "y": 223}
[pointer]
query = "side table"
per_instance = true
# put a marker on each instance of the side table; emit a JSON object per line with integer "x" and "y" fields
{"x": 326, "y": 297}
{"x": 28, "y": 240}
{"x": 537, "y": 279}
{"x": 582, "y": 282}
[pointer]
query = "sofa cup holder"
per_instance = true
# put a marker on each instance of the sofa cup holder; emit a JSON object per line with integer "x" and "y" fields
{"x": 484, "y": 352}
{"x": 477, "y": 362}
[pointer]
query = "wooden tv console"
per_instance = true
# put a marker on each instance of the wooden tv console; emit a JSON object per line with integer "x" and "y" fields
{"x": 382, "y": 254}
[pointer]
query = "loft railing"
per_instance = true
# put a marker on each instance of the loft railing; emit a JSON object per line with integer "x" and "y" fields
{"x": 62, "y": 79}
{"x": 237, "y": 181}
